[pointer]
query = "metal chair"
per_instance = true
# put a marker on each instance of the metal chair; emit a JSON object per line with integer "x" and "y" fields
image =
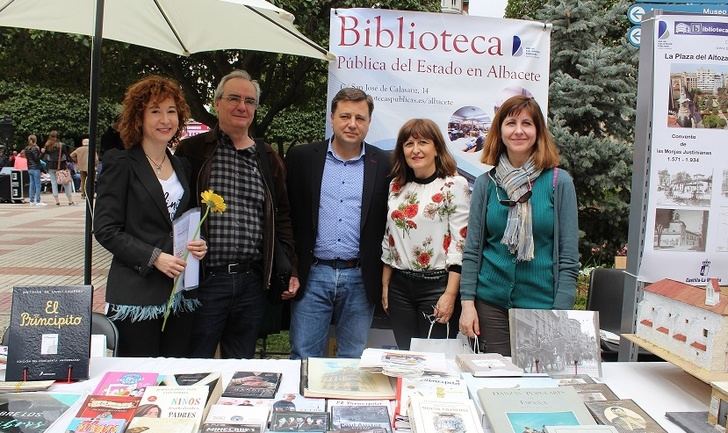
{"x": 100, "y": 324}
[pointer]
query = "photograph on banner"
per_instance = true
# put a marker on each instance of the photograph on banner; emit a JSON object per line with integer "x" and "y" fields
{"x": 444, "y": 67}
{"x": 698, "y": 96}
{"x": 686, "y": 197}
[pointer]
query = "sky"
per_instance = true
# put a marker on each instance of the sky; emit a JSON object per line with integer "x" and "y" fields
{"x": 487, "y": 8}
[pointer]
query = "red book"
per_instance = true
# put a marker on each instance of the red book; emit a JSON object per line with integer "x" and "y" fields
{"x": 107, "y": 406}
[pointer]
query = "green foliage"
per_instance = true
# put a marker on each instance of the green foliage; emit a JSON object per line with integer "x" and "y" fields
{"x": 295, "y": 126}
{"x": 714, "y": 121}
{"x": 37, "y": 110}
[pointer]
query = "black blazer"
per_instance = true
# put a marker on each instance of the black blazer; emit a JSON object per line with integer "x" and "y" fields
{"x": 305, "y": 166}
{"x": 132, "y": 220}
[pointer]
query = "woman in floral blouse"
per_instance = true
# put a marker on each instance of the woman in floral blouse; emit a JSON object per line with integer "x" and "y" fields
{"x": 422, "y": 248}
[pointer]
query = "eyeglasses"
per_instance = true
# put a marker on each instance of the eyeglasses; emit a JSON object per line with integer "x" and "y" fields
{"x": 508, "y": 202}
{"x": 235, "y": 100}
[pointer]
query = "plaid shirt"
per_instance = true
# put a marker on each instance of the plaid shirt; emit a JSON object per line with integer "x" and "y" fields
{"x": 236, "y": 235}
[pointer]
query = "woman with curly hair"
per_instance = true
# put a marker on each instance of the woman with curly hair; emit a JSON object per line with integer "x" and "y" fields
{"x": 143, "y": 189}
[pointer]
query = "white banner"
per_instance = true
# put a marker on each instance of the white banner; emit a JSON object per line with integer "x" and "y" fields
{"x": 687, "y": 215}
{"x": 453, "y": 69}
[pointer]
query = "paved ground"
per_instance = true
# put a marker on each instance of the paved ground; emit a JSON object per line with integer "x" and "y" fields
{"x": 45, "y": 246}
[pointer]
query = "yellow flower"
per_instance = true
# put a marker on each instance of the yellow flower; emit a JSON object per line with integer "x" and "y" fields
{"x": 214, "y": 201}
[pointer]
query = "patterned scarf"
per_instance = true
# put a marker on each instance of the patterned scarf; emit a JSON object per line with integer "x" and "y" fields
{"x": 518, "y": 236}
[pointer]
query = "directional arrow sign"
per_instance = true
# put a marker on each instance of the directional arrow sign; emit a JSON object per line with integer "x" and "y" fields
{"x": 633, "y": 36}
{"x": 635, "y": 13}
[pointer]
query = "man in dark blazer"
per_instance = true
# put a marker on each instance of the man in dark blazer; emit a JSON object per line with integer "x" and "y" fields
{"x": 338, "y": 195}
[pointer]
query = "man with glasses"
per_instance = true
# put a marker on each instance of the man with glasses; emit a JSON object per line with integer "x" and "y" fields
{"x": 249, "y": 176}
{"x": 338, "y": 193}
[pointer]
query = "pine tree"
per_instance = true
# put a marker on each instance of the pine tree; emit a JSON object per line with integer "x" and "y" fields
{"x": 592, "y": 99}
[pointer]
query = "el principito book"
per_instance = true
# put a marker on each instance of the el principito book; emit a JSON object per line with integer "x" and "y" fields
{"x": 50, "y": 333}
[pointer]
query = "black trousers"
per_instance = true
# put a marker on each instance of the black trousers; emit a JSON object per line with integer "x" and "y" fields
{"x": 145, "y": 337}
{"x": 408, "y": 299}
{"x": 495, "y": 336}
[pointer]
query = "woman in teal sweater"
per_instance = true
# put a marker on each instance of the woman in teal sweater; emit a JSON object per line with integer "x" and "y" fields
{"x": 521, "y": 250}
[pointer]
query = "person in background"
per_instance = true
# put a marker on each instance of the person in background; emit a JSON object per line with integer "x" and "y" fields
{"x": 56, "y": 156}
{"x": 20, "y": 162}
{"x": 145, "y": 189}
{"x": 422, "y": 248}
{"x": 32, "y": 154}
{"x": 80, "y": 157}
{"x": 250, "y": 177}
{"x": 521, "y": 249}
{"x": 338, "y": 194}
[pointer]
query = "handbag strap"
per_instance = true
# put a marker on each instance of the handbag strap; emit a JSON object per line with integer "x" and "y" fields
{"x": 432, "y": 323}
{"x": 60, "y": 147}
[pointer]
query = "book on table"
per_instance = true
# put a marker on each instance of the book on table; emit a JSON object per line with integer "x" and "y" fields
{"x": 579, "y": 429}
{"x": 389, "y": 404}
{"x": 212, "y": 427}
{"x": 213, "y": 382}
{"x": 96, "y": 425}
{"x": 124, "y": 383}
{"x": 256, "y": 416}
{"x": 253, "y": 384}
{"x": 441, "y": 388}
{"x": 143, "y": 424}
{"x": 342, "y": 378}
{"x": 572, "y": 379}
{"x": 370, "y": 419}
{"x": 109, "y": 406}
{"x": 595, "y": 392}
{"x": 33, "y": 412}
{"x": 174, "y": 402}
{"x": 518, "y": 410}
{"x": 299, "y": 421}
{"x": 437, "y": 416}
{"x": 623, "y": 415}
{"x": 487, "y": 365}
{"x": 555, "y": 341}
{"x": 392, "y": 362}
{"x": 49, "y": 333}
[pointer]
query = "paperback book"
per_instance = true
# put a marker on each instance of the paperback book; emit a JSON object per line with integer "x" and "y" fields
{"x": 389, "y": 404}
{"x": 162, "y": 425}
{"x": 299, "y": 422}
{"x": 96, "y": 425}
{"x": 372, "y": 419}
{"x": 212, "y": 381}
{"x": 292, "y": 401}
{"x": 595, "y": 392}
{"x": 440, "y": 388}
{"x": 402, "y": 362}
{"x": 253, "y": 384}
{"x": 623, "y": 415}
{"x": 580, "y": 429}
{"x": 342, "y": 378}
{"x": 436, "y": 416}
{"x": 33, "y": 412}
{"x": 109, "y": 406}
{"x": 487, "y": 365}
{"x": 122, "y": 383}
{"x": 174, "y": 402}
{"x": 518, "y": 410}
{"x": 213, "y": 427}
{"x": 556, "y": 341}
{"x": 572, "y": 379}
{"x": 249, "y": 415}
{"x": 49, "y": 333}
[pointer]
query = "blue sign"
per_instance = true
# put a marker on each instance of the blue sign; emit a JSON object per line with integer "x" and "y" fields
{"x": 633, "y": 36}
{"x": 708, "y": 9}
{"x": 635, "y": 13}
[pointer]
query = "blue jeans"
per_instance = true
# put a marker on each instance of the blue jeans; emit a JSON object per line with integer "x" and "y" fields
{"x": 34, "y": 187}
{"x": 232, "y": 312}
{"x": 331, "y": 292}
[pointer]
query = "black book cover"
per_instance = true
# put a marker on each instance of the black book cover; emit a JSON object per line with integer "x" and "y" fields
{"x": 253, "y": 384}
{"x": 32, "y": 412}
{"x": 50, "y": 333}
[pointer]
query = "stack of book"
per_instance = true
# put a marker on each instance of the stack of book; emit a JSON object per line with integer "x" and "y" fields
{"x": 440, "y": 388}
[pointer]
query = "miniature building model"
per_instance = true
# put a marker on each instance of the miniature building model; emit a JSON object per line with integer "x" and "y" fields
{"x": 674, "y": 316}
{"x": 718, "y": 409}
